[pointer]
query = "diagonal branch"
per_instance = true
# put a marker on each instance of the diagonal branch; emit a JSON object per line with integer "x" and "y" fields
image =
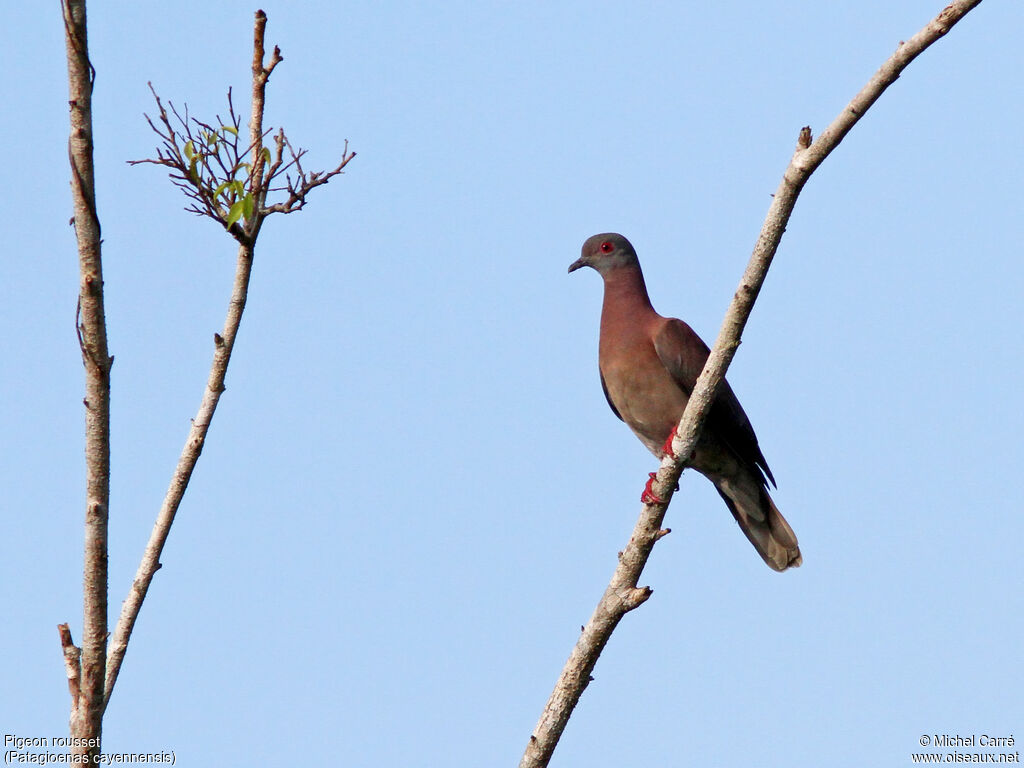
{"x": 197, "y": 177}
{"x": 623, "y": 594}
{"x": 223, "y": 345}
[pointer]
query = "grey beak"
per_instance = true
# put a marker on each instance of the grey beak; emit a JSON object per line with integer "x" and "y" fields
{"x": 580, "y": 262}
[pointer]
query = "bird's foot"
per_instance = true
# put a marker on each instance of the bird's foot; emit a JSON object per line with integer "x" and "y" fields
{"x": 666, "y": 449}
{"x": 649, "y": 496}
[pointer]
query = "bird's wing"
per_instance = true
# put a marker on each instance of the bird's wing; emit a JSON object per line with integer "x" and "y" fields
{"x": 608, "y": 397}
{"x": 684, "y": 354}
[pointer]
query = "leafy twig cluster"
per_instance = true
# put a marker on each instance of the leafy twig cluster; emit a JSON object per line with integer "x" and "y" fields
{"x": 228, "y": 179}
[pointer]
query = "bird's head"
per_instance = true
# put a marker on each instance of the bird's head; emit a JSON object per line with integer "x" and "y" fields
{"x": 605, "y": 253}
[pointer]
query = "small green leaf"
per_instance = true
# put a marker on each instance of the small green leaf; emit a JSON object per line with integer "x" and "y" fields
{"x": 230, "y": 129}
{"x": 192, "y": 173}
{"x": 190, "y": 150}
{"x": 236, "y": 212}
{"x": 266, "y": 154}
{"x": 238, "y": 188}
{"x": 220, "y": 189}
{"x": 211, "y": 139}
{"x": 247, "y": 206}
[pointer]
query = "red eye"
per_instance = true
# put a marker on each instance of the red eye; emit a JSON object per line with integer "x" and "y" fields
{"x": 607, "y": 247}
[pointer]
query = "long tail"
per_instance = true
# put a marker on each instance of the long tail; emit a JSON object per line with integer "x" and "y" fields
{"x": 763, "y": 524}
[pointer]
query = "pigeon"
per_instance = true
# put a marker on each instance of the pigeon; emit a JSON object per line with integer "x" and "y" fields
{"x": 649, "y": 364}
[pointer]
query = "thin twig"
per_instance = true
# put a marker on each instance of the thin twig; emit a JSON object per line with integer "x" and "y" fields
{"x": 260, "y": 75}
{"x": 623, "y": 594}
{"x": 72, "y": 667}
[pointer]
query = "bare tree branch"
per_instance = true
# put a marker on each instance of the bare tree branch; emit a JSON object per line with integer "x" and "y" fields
{"x": 623, "y": 594}
{"x": 228, "y": 180}
{"x": 223, "y": 345}
{"x": 87, "y": 685}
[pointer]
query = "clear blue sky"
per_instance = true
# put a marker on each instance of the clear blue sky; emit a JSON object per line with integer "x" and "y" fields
{"x": 413, "y": 492}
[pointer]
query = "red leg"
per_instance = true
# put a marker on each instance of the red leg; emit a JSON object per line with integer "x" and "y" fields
{"x": 666, "y": 449}
{"x": 648, "y": 496}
